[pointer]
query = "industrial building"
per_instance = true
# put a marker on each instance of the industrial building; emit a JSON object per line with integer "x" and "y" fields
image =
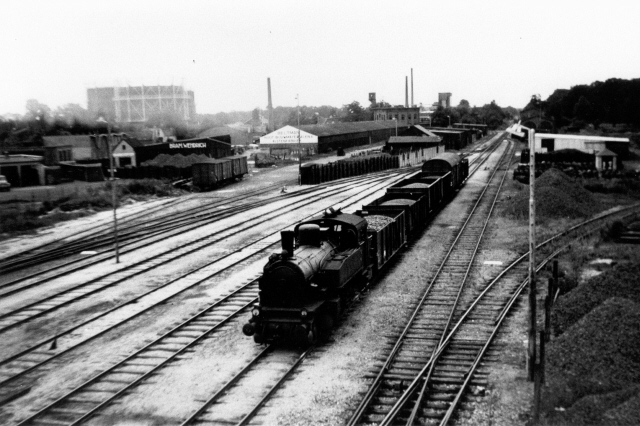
{"x": 321, "y": 138}
{"x": 547, "y": 142}
{"x": 213, "y": 148}
{"x": 403, "y": 115}
{"x": 414, "y": 150}
{"x": 137, "y": 104}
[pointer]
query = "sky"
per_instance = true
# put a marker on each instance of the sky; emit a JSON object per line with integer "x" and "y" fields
{"x": 327, "y": 52}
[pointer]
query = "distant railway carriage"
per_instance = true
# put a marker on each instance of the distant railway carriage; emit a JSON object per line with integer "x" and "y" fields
{"x": 325, "y": 260}
{"x": 447, "y": 162}
{"x": 214, "y": 172}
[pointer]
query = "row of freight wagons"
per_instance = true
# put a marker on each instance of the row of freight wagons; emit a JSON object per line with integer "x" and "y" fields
{"x": 213, "y": 172}
{"x": 410, "y": 203}
{"x": 313, "y": 173}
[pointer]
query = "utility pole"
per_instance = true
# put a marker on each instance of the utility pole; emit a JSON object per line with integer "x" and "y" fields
{"x": 113, "y": 187}
{"x": 299, "y": 145}
{"x": 532, "y": 255}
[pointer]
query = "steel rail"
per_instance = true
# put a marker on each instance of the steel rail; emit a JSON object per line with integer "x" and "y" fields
{"x": 131, "y": 270}
{"x": 601, "y": 217}
{"x": 377, "y": 382}
{"x": 148, "y": 348}
{"x": 70, "y": 330}
{"x": 423, "y": 390}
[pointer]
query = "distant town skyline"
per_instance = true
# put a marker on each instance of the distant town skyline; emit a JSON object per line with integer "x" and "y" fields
{"x": 329, "y": 53}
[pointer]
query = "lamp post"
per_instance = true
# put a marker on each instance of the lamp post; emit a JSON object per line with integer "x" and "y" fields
{"x": 113, "y": 187}
{"x": 449, "y": 117}
{"x": 396, "y": 121}
{"x": 531, "y": 352}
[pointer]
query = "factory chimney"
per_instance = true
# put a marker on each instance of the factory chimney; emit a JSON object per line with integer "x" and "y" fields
{"x": 412, "y": 104}
{"x": 406, "y": 92}
{"x": 270, "y": 106}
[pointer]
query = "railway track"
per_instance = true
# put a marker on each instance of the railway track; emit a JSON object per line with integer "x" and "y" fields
{"x": 130, "y": 229}
{"x": 80, "y": 291}
{"x": 36, "y": 356}
{"x": 266, "y": 372}
{"x": 31, "y": 369}
{"x": 433, "y": 385}
{"x": 435, "y": 311}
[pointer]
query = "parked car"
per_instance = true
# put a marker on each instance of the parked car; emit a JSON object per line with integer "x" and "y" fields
{"x": 4, "y": 184}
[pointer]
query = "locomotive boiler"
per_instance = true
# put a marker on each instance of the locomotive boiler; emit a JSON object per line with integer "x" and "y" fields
{"x": 304, "y": 288}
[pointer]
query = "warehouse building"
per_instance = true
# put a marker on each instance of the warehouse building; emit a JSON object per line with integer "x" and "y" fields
{"x": 414, "y": 150}
{"x": 547, "y": 142}
{"x": 403, "y": 115}
{"x": 213, "y": 148}
{"x": 321, "y": 138}
{"x": 22, "y": 169}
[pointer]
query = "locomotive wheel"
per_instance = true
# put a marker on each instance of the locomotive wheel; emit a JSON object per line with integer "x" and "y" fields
{"x": 258, "y": 338}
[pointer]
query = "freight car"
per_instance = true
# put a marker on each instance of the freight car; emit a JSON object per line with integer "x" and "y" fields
{"x": 214, "y": 172}
{"x": 326, "y": 260}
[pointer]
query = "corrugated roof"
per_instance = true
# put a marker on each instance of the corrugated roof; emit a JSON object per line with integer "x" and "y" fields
{"x": 344, "y": 128}
{"x": 220, "y": 131}
{"x": 586, "y": 138}
{"x": 425, "y": 131}
{"x": 415, "y": 139}
{"x": 78, "y": 141}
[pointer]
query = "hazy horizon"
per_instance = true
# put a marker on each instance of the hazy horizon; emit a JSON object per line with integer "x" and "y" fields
{"x": 330, "y": 53}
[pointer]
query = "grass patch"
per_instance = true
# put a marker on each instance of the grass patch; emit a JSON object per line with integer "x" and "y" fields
{"x": 17, "y": 218}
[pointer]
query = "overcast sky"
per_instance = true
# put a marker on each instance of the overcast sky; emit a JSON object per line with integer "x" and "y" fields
{"x": 330, "y": 52}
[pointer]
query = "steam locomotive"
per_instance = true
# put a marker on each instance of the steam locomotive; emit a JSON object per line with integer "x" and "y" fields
{"x": 325, "y": 260}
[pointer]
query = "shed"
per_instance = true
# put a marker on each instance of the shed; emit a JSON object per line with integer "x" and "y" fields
{"x": 22, "y": 169}
{"x": 606, "y": 160}
{"x": 124, "y": 154}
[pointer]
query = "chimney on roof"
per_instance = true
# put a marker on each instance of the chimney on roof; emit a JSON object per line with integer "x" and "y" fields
{"x": 406, "y": 92}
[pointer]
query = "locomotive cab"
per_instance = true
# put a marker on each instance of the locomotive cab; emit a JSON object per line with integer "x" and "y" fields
{"x": 304, "y": 288}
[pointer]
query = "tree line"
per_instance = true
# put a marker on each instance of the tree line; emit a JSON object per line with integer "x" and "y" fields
{"x": 613, "y": 105}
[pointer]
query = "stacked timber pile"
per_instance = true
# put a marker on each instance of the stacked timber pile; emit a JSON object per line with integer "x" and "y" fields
{"x": 557, "y": 196}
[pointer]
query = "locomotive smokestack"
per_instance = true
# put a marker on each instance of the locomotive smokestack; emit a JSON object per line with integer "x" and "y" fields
{"x": 287, "y": 238}
{"x": 412, "y": 104}
{"x": 406, "y": 92}
{"x": 270, "y": 105}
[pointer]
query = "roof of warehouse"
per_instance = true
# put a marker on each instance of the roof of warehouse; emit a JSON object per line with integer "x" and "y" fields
{"x": 415, "y": 139}
{"x": 586, "y": 138}
{"x": 68, "y": 140}
{"x": 436, "y": 131}
{"x": 343, "y": 128}
{"x": 220, "y": 131}
{"x": 425, "y": 131}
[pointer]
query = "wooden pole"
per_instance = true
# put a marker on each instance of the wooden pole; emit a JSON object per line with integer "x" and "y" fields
{"x": 531, "y": 355}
